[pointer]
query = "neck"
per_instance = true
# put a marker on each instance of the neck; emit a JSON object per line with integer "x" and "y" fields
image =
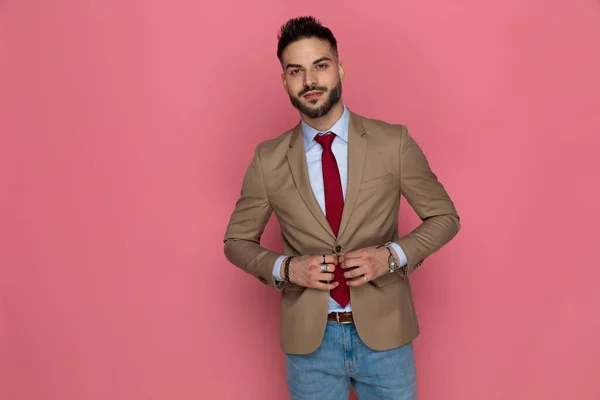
{"x": 326, "y": 121}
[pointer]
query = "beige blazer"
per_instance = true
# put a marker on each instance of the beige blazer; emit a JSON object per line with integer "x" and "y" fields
{"x": 384, "y": 162}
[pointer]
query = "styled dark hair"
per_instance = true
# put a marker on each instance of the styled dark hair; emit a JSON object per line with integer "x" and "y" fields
{"x": 303, "y": 28}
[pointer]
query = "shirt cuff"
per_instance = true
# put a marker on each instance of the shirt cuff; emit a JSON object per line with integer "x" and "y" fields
{"x": 401, "y": 256}
{"x": 277, "y": 268}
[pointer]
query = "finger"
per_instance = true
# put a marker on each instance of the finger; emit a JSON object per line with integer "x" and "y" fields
{"x": 331, "y": 259}
{"x": 330, "y": 267}
{"x": 318, "y": 267}
{"x": 354, "y": 254}
{"x": 355, "y": 258}
{"x": 348, "y": 264}
{"x": 358, "y": 281}
{"x": 326, "y": 286}
{"x": 353, "y": 273}
{"x": 317, "y": 261}
{"x": 325, "y": 277}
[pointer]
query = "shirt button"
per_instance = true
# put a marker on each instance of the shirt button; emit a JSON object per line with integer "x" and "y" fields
{"x": 338, "y": 249}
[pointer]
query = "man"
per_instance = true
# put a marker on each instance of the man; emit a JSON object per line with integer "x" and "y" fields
{"x": 334, "y": 182}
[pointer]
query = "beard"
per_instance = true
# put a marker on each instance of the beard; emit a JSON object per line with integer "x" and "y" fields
{"x": 317, "y": 112}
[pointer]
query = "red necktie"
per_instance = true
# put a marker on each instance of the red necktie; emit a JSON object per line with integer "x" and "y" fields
{"x": 334, "y": 205}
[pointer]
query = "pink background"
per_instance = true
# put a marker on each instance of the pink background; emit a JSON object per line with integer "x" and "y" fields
{"x": 131, "y": 123}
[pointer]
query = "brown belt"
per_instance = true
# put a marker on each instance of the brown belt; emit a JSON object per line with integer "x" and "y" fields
{"x": 341, "y": 317}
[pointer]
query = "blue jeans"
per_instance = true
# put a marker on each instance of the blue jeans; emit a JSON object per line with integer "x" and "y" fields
{"x": 343, "y": 359}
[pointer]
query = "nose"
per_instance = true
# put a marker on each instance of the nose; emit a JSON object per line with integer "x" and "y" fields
{"x": 310, "y": 79}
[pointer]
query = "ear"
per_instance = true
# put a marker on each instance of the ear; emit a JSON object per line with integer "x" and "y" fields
{"x": 341, "y": 71}
{"x": 283, "y": 81}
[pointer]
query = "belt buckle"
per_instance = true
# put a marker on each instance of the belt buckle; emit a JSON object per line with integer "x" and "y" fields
{"x": 337, "y": 317}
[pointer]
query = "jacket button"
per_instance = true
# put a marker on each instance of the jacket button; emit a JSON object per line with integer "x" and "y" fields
{"x": 338, "y": 249}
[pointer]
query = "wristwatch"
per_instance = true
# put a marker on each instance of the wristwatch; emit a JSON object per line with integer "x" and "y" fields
{"x": 392, "y": 263}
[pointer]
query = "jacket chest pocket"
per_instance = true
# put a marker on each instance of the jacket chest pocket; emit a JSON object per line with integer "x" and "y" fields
{"x": 374, "y": 182}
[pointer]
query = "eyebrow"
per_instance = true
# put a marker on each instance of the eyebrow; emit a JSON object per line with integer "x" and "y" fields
{"x": 317, "y": 61}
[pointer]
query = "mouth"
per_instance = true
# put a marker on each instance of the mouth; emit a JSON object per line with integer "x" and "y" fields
{"x": 313, "y": 95}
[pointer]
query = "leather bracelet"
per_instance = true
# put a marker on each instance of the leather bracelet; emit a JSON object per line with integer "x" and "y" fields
{"x": 286, "y": 269}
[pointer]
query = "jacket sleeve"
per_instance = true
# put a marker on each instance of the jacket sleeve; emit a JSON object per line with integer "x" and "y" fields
{"x": 426, "y": 195}
{"x": 246, "y": 225}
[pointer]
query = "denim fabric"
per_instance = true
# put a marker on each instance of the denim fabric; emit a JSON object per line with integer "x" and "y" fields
{"x": 343, "y": 359}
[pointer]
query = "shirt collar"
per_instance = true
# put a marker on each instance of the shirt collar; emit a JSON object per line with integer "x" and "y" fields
{"x": 340, "y": 128}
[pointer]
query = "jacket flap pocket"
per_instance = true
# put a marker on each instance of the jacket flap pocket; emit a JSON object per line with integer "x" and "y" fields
{"x": 293, "y": 287}
{"x": 386, "y": 279}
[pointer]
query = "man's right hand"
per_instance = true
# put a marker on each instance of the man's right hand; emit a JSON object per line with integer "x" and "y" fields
{"x": 306, "y": 271}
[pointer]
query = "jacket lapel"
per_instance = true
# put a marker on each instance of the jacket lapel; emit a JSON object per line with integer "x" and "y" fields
{"x": 297, "y": 160}
{"x": 357, "y": 151}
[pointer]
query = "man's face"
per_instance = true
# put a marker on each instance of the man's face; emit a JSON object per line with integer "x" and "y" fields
{"x": 312, "y": 76}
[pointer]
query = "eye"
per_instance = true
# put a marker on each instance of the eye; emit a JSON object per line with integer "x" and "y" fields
{"x": 294, "y": 71}
{"x": 321, "y": 66}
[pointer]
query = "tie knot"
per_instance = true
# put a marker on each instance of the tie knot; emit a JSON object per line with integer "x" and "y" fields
{"x": 325, "y": 140}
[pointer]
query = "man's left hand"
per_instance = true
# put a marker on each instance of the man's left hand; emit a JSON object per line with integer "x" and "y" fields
{"x": 370, "y": 262}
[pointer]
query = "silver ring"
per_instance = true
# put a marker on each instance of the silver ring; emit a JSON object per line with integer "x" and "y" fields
{"x": 324, "y": 268}
{"x": 366, "y": 279}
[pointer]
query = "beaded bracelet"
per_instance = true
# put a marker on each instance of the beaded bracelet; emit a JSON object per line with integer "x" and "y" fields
{"x": 286, "y": 269}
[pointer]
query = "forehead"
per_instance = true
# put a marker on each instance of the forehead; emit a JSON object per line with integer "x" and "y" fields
{"x": 305, "y": 51}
